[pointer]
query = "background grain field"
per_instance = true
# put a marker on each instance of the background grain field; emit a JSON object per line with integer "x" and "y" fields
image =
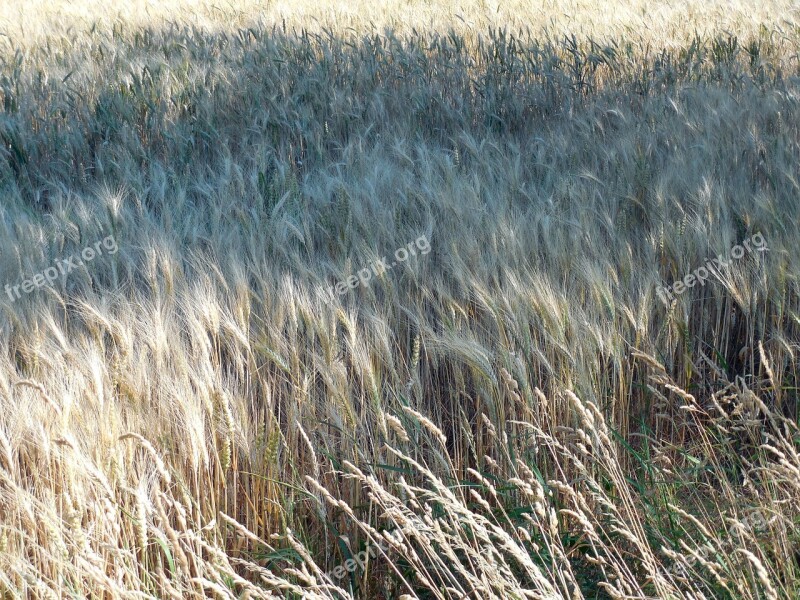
{"x": 521, "y": 403}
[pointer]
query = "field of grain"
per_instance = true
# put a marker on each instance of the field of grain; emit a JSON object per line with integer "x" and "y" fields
{"x": 418, "y": 300}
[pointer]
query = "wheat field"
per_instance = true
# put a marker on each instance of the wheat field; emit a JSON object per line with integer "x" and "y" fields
{"x": 417, "y": 300}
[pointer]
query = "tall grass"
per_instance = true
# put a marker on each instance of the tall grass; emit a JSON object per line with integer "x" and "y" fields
{"x": 194, "y": 416}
